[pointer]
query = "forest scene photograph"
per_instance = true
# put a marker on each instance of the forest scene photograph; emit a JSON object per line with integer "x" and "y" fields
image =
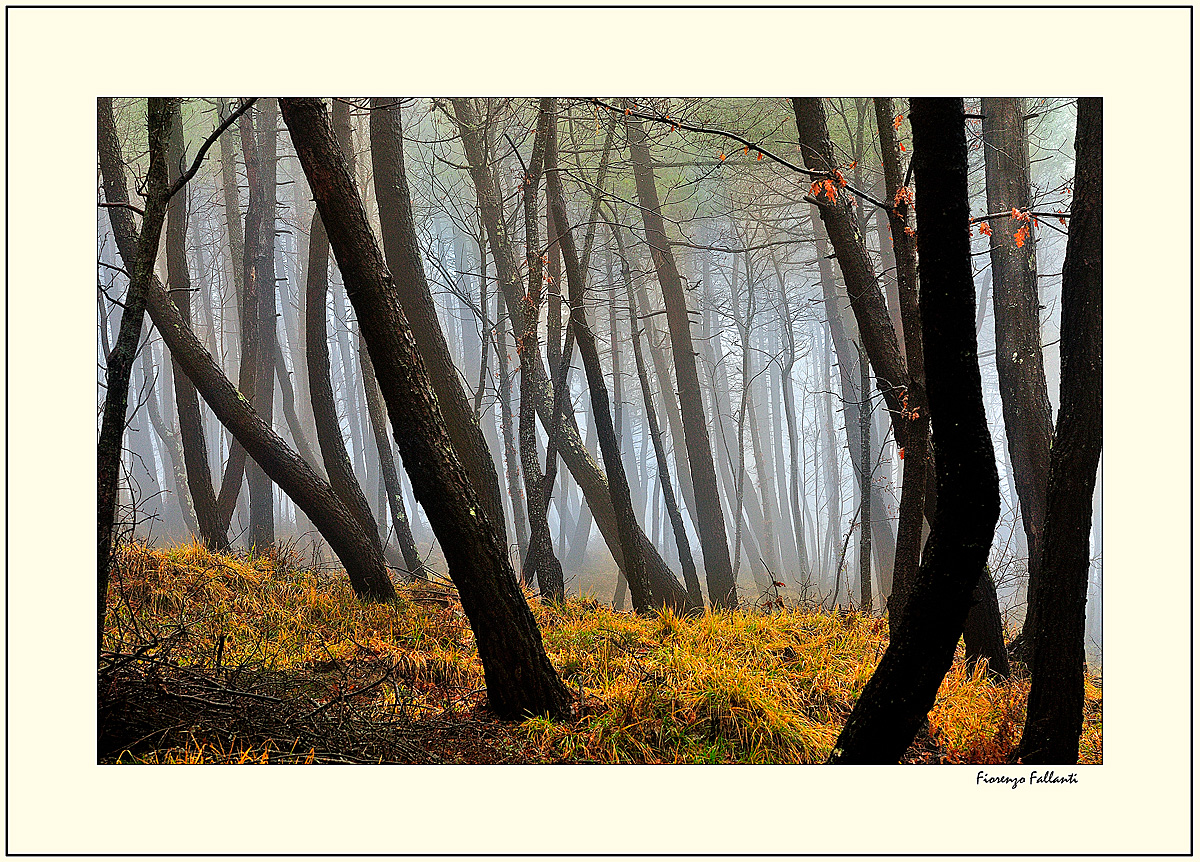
{"x": 600, "y": 429}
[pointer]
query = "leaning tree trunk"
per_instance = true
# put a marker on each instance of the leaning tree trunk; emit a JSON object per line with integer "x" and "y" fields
{"x": 520, "y": 679}
{"x": 405, "y": 263}
{"x": 364, "y": 566}
{"x": 1055, "y": 712}
{"x": 187, "y": 404}
{"x": 714, "y": 546}
{"x": 119, "y": 367}
{"x": 901, "y": 692}
{"x": 684, "y": 547}
{"x": 645, "y": 592}
{"x": 916, "y": 460}
{"x": 1028, "y": 422}
{"x": 540, "y": 559}
{"x": 591, "y": 480}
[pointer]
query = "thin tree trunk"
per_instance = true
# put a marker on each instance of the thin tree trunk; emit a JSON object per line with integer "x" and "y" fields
{"x": 520, "y": 679}
{"x": 718, "y": 568}
{"x": 687, "y": 563}
{"x": 1028, "y": 421}
{"x": 1055, "y": 710}
{"x": 191, "y": 428}
{"x": 119, "y": 367}
{"x": 865, "y": 472}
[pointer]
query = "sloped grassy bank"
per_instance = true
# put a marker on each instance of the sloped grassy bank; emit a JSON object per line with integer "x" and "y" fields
{"x": 215, "y": 658}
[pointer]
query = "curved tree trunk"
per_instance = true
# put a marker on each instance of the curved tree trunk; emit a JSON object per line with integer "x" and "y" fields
{"x": 714, "y": 546}
{"x": 520, "y": 679}
{"x": 191, "y": 428}
{"x": 364, "y": 567}
{"x": 902, "y": 690}
{"x": 1028, "y": 420}
{"x": 1055, "y": 711}
{"x": 646, "y": 593}
{"x": 140, "y": 254}
{"x": 575, "y": 455}
{"x": 404, "y": 261}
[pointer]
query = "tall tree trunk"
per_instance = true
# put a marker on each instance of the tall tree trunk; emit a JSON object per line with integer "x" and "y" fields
{"x": 511, "y": 459}
{"x": 902, "y": 690}
{"x": 646, "y": 593}
{"x": 119, "y": 366}
{"x": 917, "y": 462}
{"x": 1059, "y": 598}
{"x": 686, "y": 562}
{"x": 1028, "y": 422}
{"x": 714, "y": 546}
{"x": 169, "y": 440}
{"x": 591, "y": 479}
{"x": 235, "y": 464}
{"x": 541, "y": 559}
{"x": 520, "y": 679}
{"x": 866, "y": 472}
{"x": 191, "y": 428}
{"x": 387, "y": 466}
{"x": 258, "y": 147}
{"x": 404, "y": 261}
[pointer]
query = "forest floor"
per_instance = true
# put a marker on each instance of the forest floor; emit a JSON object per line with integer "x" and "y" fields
{"x": 235, "y": 659}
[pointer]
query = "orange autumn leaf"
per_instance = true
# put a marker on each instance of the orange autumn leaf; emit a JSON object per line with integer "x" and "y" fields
{"x": 896, "y": 122}
{"x": 1020, "y": 236}
{"x": 901, "y": 453}
{"x": 760, "y": 155}
{"x": 746, "y": 150}
{"x": 985, "y": 228}
{"x": 902, "y": 149}
{"x": 910, "y": 232}
{"x": 721, "y": 156}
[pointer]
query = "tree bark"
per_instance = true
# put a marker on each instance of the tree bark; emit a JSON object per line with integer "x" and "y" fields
{"x": 191, "y": 427}
{"x": 540, "y": 559}
{"x": 902, "y": 690}
{"x": 575, "y": 455}
{"x": 119, "y": 365}
{"x": 258, "y": 148}
{"x": 916, "y": 458}
{"x": 1055, "y": 710}
{"x": 646, "y": 593}
{"x": 404, "y": 261}
{"x": 714, "y": 546}
{"x": 520, "y": 679}
{"x": 1028, "y": 422}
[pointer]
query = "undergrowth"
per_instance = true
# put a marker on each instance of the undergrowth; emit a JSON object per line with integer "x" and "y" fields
{"x": 726, "y": 687}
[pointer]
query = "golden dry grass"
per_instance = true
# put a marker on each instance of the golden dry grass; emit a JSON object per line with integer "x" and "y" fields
{"x": 726, "y": 687}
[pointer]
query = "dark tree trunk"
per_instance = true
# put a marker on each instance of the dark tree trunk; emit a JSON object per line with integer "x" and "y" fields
{"x": 391, "y": 478}
{"x": 235, "y": 464}
{"x": 365, "y": 568}
{"x": 646, "y": 593}
{"x": 168, "y": 439}
{"x": 866, "y": 474}
{"x": 1028, "y": 422}
{"x": 714, "y": 546}
{"x": 119, "y": 365}
{"x": 191, "y": 427}
{"x": 575, "y": 456}
{"x": 916, "y": 459}
{"x": 404, "y": 261}
{"x": 687, "y": 563}
{"x": 540, "y": 559}
{"x": 1055, "y": 711}
{"x": 329, "y": 431}
{"x": 520, "y": 679}
{"x": 258, "y": 306}
{"x": 899, "y": 695}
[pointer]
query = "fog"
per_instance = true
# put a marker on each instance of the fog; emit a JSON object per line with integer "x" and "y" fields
{"x": 784, "y": 406}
